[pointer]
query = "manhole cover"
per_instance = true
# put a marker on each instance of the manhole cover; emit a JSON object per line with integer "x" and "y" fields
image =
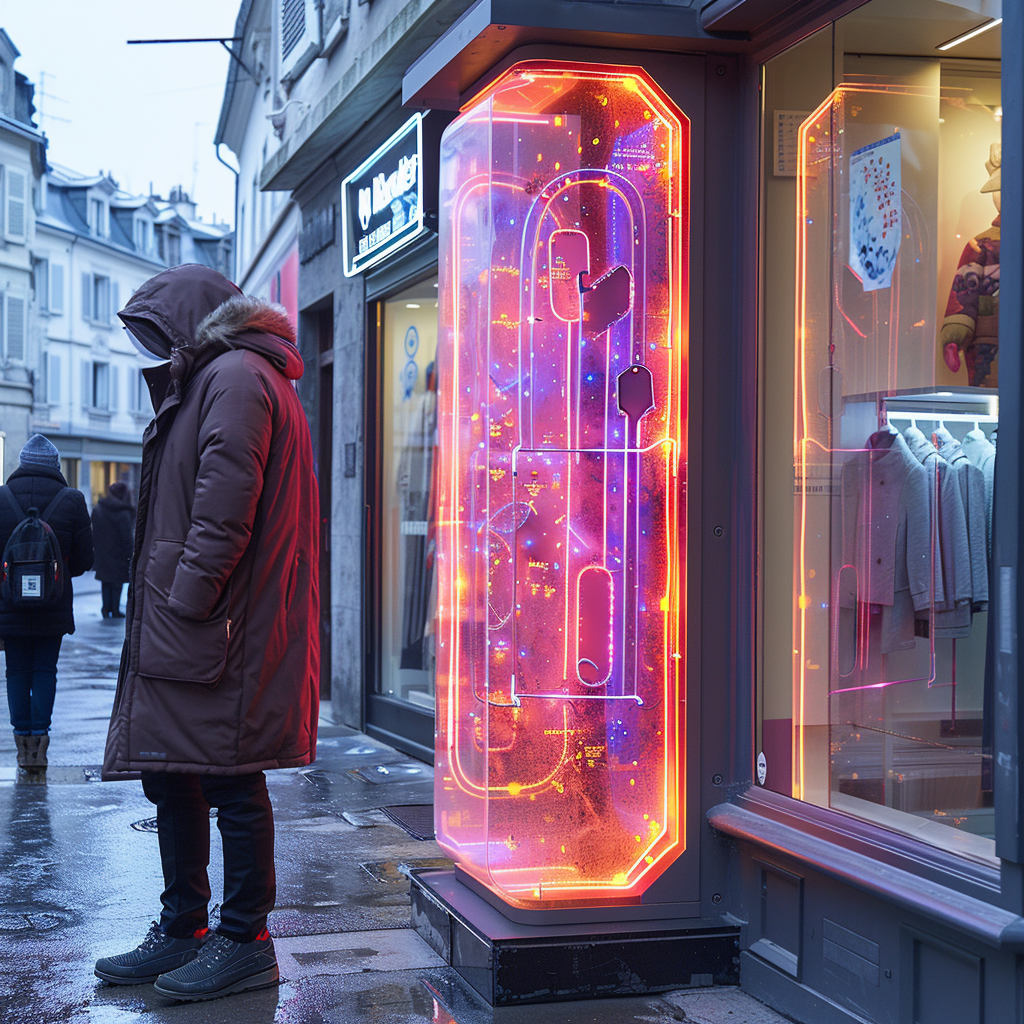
{"x": 32, "y": 919}
{"x": 149, "y": 824}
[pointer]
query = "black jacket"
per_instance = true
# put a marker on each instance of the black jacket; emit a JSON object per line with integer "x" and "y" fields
{"x": 70, "y": 522}
{"x": 113, "y": 535}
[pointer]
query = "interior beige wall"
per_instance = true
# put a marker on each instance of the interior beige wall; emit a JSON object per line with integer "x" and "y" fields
{"x": 798, "y": 79}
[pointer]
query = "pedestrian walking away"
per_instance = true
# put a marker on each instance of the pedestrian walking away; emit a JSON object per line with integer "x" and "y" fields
{"x": 219, "y": 676}
{"x": 36, "y": 609}
{"x": 113, "y": 525}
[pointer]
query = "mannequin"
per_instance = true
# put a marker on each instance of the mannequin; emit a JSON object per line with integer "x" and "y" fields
{"x": 971, "y": 324}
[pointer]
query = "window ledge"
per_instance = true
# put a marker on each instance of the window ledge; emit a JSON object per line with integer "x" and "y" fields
{"x": 980, "y": 919}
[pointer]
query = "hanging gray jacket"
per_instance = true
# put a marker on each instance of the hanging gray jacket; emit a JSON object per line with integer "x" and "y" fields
{"x": 982, "y": 453}
{"x": 887, "y": 538}
{"x": 972, "y": 491}
{"x": 952, "y": 613}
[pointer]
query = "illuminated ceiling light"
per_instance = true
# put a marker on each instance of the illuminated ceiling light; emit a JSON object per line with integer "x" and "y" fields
{"x": 412, "y": 305}
{"x": 964, "y": 36}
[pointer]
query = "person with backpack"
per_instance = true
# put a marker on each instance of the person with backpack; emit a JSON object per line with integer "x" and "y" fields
{"x": 46, "y": 538}
{"x": 113, "y": 537}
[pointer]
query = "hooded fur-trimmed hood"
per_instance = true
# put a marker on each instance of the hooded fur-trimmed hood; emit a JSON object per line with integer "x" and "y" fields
{"x": 247, "y": 322}
{"x": 241, "y": 314}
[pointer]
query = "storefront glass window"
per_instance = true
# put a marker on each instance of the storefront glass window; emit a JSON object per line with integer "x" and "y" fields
{"x": 880, "y": 284}
{"x": 409, "y": 334}
{"x": 103, "y": 474}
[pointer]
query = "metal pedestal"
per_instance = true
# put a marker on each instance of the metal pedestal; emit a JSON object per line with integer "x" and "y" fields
{"x": 510, "y": 963}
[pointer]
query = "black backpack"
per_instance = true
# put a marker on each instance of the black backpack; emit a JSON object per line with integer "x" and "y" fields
{"x": 33, "y": 566}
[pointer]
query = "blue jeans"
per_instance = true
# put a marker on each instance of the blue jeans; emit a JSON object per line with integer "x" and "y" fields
{"x": 31, "y": 682}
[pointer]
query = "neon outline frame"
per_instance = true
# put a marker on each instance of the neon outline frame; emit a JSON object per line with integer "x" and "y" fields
{"x": 506, "y": 683}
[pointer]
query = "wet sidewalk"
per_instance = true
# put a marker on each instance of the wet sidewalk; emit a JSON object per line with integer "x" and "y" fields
{"x": 80, "y": 878}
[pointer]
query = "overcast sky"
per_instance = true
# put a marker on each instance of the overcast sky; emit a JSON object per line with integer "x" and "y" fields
{"x": 142, "y": 113}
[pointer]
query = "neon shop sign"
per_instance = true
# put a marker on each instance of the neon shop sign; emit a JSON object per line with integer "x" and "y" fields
{"x": 382, "y": 200}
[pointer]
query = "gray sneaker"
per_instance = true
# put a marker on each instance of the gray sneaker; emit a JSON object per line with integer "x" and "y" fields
{"x": 222, "y": 968}
{"x": 158, "y": 952}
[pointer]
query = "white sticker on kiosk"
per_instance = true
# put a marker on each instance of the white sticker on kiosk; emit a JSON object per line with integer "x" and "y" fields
{"x": 31, "y": 586}
{"x": 762, "y": 768}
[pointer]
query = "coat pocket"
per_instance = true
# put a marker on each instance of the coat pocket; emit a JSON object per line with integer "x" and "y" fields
{"x": 171, "y": 646}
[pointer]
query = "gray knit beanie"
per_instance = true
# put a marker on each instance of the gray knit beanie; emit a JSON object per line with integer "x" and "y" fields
{"x": 38, "y": 451}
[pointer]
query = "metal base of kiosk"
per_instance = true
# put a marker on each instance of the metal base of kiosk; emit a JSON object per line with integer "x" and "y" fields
{"x": 510, "y": 963}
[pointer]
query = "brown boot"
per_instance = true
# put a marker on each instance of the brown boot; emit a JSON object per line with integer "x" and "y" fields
{"x": 37, "y": 751}
{"x": 22, "y": 744}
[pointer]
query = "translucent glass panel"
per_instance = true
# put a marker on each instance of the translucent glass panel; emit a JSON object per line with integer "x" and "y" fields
{"x": 561, "y": 503}
{"x": 883, "y": 709}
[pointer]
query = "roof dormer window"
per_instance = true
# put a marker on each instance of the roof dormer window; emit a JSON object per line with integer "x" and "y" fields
{"x": 98, "y": 218}
{"x": 143, "y": 235}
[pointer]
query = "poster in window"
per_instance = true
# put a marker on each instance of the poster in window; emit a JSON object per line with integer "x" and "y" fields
{"x": 875, "y": 227}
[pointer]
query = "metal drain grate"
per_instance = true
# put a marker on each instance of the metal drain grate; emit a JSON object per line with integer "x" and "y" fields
{"x": 416, "y": 819}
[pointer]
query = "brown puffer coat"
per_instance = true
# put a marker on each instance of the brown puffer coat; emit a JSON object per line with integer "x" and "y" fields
{"x": 220, "y": 668}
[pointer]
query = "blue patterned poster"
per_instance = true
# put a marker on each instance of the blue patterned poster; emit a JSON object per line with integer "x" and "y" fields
{"x": 875, "y": 229}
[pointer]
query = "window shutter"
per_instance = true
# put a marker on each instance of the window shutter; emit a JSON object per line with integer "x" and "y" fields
{"x": 14, "y": 220}
{"x": 102, "y": 311}
{"x": 53, "y": 379}
{"x": 87, "y": 296}
{"x": 113, "y": 395}
{"x": 41, "y": 283}
{"x": 115, "y": 303}
{"x": 56, "y": 288}
{"x": 16, "y": 328}
{"x": 86, "y": 383}
{"x": 133, "y": 389}
{"x": 299, "y": 27}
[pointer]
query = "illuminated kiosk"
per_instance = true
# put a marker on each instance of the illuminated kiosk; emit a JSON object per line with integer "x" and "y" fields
{"x": 561, "y": 509}
{"x": 561, "y": 515}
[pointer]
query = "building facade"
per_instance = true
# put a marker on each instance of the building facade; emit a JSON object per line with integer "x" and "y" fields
{"x": 844, "y": 782}
{"x": 93, "y": 246}
{"x": 22, "y": 159}
{"x": 73, "y": 248}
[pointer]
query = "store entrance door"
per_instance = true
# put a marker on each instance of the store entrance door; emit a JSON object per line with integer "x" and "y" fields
{"x": 400, "y": 701}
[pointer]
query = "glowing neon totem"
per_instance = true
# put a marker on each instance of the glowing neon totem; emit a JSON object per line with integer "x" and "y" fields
{"x": 561, "y": 491}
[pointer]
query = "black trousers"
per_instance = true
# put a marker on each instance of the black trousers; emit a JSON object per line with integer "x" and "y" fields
{"x": 246, "y": 822}
{"x": 111, "y": 598}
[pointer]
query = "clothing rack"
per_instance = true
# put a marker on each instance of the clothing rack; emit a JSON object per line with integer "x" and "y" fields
{"x": 938, "y": 417}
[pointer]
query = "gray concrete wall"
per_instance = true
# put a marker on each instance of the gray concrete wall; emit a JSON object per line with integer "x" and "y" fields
{"x": 319, "y": 279}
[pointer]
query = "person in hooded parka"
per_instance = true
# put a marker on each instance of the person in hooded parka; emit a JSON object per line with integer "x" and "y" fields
{"x": 219, "y": 676}
{"x": 113, "y": 527}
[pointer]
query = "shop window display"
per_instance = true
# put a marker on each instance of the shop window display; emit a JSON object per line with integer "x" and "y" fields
{"x": 886, "y": 163}
{"x": 561, "y": 514}
{"x": 409, "y": 374}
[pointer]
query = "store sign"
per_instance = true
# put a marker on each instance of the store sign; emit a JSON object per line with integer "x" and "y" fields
{"x": 382, "y": 200}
